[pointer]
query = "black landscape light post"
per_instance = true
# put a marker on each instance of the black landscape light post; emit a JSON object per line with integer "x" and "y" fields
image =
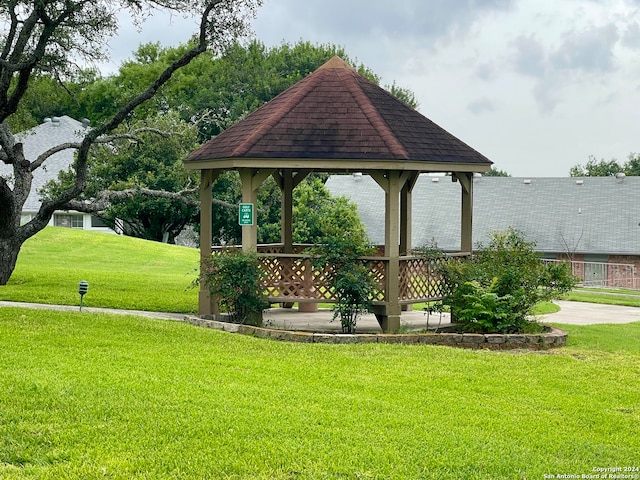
{"x": 82, "y": 289}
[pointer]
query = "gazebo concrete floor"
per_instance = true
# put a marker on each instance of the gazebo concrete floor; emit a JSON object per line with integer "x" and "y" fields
{"x": 571, "y": 313}
{"x": 321, "y": 321}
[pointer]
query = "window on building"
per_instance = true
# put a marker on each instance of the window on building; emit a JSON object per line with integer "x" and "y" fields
{"x": 68, "y": 221}
{"x": 98, "y": 222}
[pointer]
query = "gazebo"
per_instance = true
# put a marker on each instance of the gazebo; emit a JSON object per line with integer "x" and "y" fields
{"x": 336, "y": 120}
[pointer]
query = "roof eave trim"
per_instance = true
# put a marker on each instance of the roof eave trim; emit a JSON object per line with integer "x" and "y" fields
{"x": 336, "y": 165}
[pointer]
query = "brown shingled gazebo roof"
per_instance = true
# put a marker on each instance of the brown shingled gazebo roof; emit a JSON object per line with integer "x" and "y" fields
{"x": 335, "y": 113}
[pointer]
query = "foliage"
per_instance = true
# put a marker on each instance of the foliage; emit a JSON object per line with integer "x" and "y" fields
{"x": 481, "y": 310}
{"x": 494, "y": 172}
{"x": 403, "y": 94}
{"x": 354, "y": 290}
{"x": 604, "y": 168}
{"x": 340, "y": 254}
{"x": 632, "y": 166}
{"x": 269, "y": 212}
{"x": 233, "y": 277}
{"x": 315, "y": 211}
{"x": 497, "y": 289}
{"x": 46, "y": 97}
{"x": 152, "y": 160}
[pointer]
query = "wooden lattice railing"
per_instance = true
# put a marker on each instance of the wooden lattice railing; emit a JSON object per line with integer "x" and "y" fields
{"x": 292, "y": 277}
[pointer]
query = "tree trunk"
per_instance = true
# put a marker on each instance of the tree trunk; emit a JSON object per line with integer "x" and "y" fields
{"x": 9, "y": 250}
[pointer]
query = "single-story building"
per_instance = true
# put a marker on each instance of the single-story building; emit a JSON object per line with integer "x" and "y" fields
{"x": 586, "y": 219}
{"x": 53, "y": 132}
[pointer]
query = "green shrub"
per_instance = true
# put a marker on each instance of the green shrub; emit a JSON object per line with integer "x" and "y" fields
{"x": 349, "y": 278}
{"x": 234, "y": 278}
{"x": 497, "y": 289}
{"x": 480, "y": 309}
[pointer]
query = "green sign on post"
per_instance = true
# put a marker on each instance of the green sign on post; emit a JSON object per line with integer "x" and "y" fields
{"x": 245, "y": 214}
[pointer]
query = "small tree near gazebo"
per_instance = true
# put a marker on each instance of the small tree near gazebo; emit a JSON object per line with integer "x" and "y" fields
{"x": 337, "y": 121}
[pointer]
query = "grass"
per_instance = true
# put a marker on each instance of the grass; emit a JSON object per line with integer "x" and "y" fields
{"x": 123, "y": 272}
{"x": 615, "y": 291}
{"x": 88, "y": 396}
{"x": 545, "y": 308}
{"x": 628, "y": 298}
{"x": 92, "y": 396}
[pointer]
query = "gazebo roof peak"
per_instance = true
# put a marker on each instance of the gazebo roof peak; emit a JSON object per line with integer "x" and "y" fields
{"x": 336, "y": 62}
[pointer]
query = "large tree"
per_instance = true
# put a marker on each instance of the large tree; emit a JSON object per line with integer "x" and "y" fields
{"x": 51, "y": 37}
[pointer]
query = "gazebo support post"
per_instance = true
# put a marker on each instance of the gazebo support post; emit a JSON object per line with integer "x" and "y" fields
{"x": 249, "y": 195}
{"x": 392, "y": 182}
{"x": 406, "y": 209}
{"x": 287, "y": 181}
{"x": 206, "y": 305}
{"x": 286, "y": 233}
{"x": 251, "y": 180}
{"x": 466, "y": 228}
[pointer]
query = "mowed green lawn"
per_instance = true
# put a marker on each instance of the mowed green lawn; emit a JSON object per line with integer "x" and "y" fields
{"x": 86, "y": 396}
{"x": 93, "y": 396}
{"x": 123, "y": 272}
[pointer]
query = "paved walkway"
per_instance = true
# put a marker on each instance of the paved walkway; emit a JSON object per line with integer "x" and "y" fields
{"x": 573, "y": 313}
{"x": 580, "y": 313}
{"x": 69, "y": 308}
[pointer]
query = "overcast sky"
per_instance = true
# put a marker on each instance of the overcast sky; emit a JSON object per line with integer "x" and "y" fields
{"x": 535, "y": 85}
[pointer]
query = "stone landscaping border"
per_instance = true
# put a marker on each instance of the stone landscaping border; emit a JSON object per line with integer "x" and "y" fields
{"x": 553, "y": 338}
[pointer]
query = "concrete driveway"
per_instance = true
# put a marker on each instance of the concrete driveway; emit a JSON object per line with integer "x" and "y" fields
{"x": 579, "y": 313}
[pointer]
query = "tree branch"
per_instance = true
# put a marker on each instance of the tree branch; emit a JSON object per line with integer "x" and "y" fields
{"x": 83, "y": 151}
{"x": 104, "y": 199}
{"x": 133, "y": 136}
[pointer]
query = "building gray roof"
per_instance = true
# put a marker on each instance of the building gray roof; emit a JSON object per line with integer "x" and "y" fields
{"x": 586, "y": 215}
{"x": 50, "y": 133}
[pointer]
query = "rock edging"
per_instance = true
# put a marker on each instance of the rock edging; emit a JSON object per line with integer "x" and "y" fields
{"x": 541, "y": 341}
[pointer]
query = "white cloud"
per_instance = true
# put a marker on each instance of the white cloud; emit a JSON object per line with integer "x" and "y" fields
{"x": 587, "y": 51}
{"x": 482, "y": 105}
{"x": 408, "y": 20}
{"x": 530, "y": 57}
{"x": 631, "y": 36}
